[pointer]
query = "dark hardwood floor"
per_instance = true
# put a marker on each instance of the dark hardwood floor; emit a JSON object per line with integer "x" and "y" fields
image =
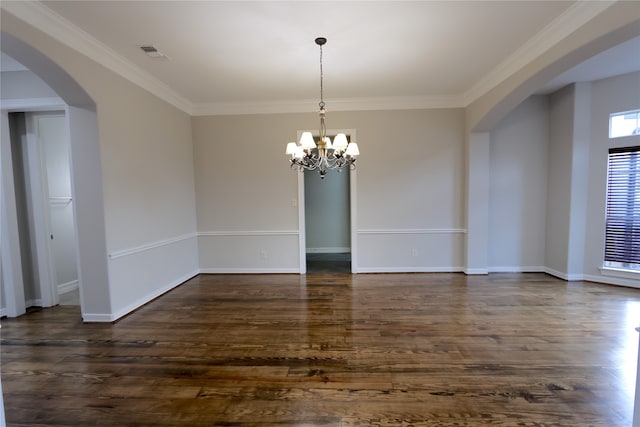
{"x": 329, "y": 263}
{"x": 334, "y": 350}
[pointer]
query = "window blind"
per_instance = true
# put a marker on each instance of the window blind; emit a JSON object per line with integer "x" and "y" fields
{"x": 622, "y": 241}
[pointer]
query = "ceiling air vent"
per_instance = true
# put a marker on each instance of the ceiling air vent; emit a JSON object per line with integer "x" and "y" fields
{"x": 153, "y": 52}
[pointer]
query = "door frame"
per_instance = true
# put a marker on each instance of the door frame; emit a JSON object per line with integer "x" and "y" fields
{"x": 302, "y": 229}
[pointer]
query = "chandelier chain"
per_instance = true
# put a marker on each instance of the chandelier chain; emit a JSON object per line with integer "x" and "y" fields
{"x": 321, "y": 104}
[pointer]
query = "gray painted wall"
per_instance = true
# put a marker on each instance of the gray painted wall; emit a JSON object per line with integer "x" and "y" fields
{"x": 327, "y": 213}
{"x": 518, "y": 188}
{"x": 616, "y": 94}
{"x": 561, "y": 108}
{"x": 24, "y": 85}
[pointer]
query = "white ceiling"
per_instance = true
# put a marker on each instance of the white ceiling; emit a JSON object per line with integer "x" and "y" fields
{"x": 224, "y": 52}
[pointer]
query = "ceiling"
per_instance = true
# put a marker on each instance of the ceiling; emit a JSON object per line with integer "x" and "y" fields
{"x": 263, "y": 52}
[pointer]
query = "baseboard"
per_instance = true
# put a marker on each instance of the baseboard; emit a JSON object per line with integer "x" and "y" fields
{"x": 223, "y": 270}
{"x": 475, "y": 271}
{"x": 67, "y": 287}
{"x": 410, "y": 269}
{"x": 563, "y": 276}
{"x": 96, "y": 317}
{"x": 330, "y": 250}
{"x": 37, "y": 302}
{"x": 529, "y": 269}
{"x": 613, "y": 281}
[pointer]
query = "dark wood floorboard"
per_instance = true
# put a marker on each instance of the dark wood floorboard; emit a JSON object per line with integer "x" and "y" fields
{"x": 334, "y": 350}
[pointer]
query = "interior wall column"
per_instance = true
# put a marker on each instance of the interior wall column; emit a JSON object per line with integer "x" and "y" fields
{"x": 580, "y": 146}
{"x": 477, "y": 214}
{"x": 86, "y": 182}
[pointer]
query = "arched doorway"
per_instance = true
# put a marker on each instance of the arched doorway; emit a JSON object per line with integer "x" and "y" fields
{"x": 86, "y": 177}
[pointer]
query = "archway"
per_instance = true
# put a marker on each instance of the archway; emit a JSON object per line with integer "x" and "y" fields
{"x": 86, "y": 176}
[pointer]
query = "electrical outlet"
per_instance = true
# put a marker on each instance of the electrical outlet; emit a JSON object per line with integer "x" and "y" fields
{"x": 263, "y": 254}
{"x": 294, "y": 203}
{"x": 414, "y": 252}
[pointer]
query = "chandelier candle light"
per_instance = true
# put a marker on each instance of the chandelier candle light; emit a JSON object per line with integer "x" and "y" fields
{"x": 324, "y": 155}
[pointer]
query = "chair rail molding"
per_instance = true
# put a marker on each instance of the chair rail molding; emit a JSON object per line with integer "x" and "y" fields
{"x": 149, "y": 246}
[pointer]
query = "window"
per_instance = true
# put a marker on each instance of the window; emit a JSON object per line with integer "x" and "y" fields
{"x": 624, "y": 124}
{"x": 622, "y": 230}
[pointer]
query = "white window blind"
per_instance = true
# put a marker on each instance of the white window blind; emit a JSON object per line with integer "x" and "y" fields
{"x": 622, "y": 242}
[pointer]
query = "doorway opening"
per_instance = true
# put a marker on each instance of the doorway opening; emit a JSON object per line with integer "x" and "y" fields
{"x": 46, "y": 224}
{"x": 327, "y": 219}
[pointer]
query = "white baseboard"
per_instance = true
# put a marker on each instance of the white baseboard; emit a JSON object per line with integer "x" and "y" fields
{"x": 224, "y": 270}
{"x": 525, "y": 269}
{"x": 563, "y": 276}
{"x": 67, "y": 287}
{"x": 97, "y": 317}
{"x": 409, "y": 269}
{"x": 475, "y": 271}
{"x": 330, "y": 250}
{"x": 613, "y": 281}
{"x": 37, "y": 302}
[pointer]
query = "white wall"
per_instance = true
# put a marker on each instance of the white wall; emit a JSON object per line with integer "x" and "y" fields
{"x": 518, "y": 188}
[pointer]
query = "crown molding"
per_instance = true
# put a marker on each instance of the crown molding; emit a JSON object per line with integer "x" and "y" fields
{"x": 59, "y": 28}
{"x": 569, "y": 21}
{"x": 44, "y": 19}
{"x": 347, "y": 104}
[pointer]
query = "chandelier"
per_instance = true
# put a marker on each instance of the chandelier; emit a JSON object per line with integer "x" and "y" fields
{"x": 323, "y": 155}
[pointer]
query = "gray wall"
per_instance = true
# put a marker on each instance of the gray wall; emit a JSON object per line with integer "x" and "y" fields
{"x": 24, "y": 85}
{"x": 409, "y": 190}
{"x": 578, "y": 157}
{"x": 612, "y": 95}
{"x": 518, "y": 188}
{"x": 561, "y": 110}
{"x": 327, "y": 212}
